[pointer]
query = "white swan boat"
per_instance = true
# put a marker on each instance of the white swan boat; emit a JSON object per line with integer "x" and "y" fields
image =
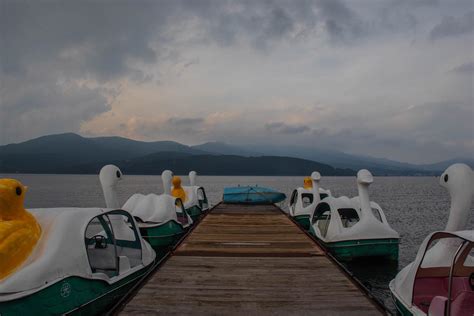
{"x": 84, "y": 261}
{"x": 162, "y": 218}
{"x": 196, "y": 200}
{"x": 440, "y": 281}
{"x": 304, "y": 199}
{"x": 353, "y": 228}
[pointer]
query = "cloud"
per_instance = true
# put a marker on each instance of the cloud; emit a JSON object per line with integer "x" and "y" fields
{"x": 453, "y": 26}
{"x": 280, "y": 127}
{"x": 84, "y": 38}
{"x": 185, "y": 120}
{"x": 341, "y": 23}
{"x": 464, "y": 69}
{"x": 195, "y": 71}
{"x": 45, "y": 109}
{"x": 260, "y": 24}
{"x": 95, "y": 46}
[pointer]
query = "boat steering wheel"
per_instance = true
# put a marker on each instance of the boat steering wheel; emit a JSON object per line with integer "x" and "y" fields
{"x": 100, "y": 242}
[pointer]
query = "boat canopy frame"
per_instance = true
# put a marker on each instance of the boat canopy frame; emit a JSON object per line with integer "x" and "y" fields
{"x": 457, "y": 265}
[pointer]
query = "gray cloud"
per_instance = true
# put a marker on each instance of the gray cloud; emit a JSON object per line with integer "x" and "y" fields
{"x": 52, "y": 52}
{"x": 280, "y": 127}
{"x": 464, "y": 69}
{"x": 45, "y": 109}
{"x": 63, "y": 63}
{"x": 168, "y": 129}
{"x": 260, "y": 23}
{"x": 186, "y": 120}
{"x": 342, "y": 24}
{"x": 453, "y": 26}
{"x": 106, "y": 42}
{"x": 83, "y": 38}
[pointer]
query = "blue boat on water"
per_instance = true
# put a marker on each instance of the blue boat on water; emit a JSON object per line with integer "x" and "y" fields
{"x": 252, "y": 195}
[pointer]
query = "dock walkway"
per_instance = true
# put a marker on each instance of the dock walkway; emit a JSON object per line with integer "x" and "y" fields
{"x": 249, "y": 260}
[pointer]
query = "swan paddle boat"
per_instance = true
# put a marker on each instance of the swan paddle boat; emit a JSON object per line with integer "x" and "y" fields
{"x": 194, "y": 199}
{"x": 440, "y": 281}
{"x": 162, "y": 219}
{"x": 304, "y": 199}
{"x": 354, "y": 228}
{"x": 252, "y": 195}
{"x": 84, "y": 261}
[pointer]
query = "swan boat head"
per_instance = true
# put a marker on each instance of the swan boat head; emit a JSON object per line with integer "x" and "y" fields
{"x": 458, "y": 180}
{"x": 109, "y": 177}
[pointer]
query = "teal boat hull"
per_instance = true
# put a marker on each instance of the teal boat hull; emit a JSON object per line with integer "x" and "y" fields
{"x": 401, "y": 309}
{"x": 194, "y": 212}
{"x": 348, "y": 250}
{"x": 74, "y": 296}
{"x": 163, "y": 236}
{"x": 303, "y": 221}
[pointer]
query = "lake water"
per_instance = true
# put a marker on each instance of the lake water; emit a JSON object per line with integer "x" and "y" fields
{"x": 414, "y": 206}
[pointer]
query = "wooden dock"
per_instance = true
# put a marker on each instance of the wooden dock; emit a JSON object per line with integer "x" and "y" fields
{"x": 249, "y": 260}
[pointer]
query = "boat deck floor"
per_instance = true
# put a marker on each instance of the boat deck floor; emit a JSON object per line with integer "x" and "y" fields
{"x": 249, "y": 260}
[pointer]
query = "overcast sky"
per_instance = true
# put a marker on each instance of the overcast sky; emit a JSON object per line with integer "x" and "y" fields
{"x": 389, "y": 79}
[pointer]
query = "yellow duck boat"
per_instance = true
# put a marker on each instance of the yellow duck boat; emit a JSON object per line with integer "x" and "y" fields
{"x": 193, "y": 197}
{"x": 67, "y": 260}
{"x": 19, "y": 230}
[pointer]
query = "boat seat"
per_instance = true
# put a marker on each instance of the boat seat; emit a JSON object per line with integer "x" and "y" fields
{"x": 463, "y": 304}
{"x": 438, "y": 306}
{"x": 182, "y": 218}
{"x": 134, "y": 255}
{"x": 124, "y": 264}
{"x": 427, "y": 288}
{"x": 102, "y": 260}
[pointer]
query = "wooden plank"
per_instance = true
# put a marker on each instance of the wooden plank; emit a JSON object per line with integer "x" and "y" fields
{"x": 249, "y": 260}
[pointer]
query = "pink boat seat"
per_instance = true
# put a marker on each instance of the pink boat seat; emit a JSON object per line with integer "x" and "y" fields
{"x": 463, "y": 304}
{"x": 182, "y": 218}
{"x": 426, "y": 289}
{"x": 438, "y": 306}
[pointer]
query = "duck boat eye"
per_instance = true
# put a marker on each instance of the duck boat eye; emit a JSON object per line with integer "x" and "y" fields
{"x": 18, "y": 191}
{"x": 446, "y": 177}
{"x": 118, "y": 174}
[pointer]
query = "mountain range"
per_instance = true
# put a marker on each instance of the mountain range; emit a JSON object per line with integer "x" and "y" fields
{"x": 72, "y": 153}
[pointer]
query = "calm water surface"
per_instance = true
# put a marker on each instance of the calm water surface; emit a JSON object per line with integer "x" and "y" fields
{"x": 414, "y": 206}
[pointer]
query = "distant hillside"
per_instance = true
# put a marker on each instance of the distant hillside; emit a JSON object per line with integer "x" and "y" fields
{"x": 331, "y": 157}
{"x": 64, "y": 153}
{"x": 71, "y": 153}
{"x": 342, "y": 160}
{"x": 378, "y": 166}
{"x": 182, "y": 163}
{"x": 56, "y": 153}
